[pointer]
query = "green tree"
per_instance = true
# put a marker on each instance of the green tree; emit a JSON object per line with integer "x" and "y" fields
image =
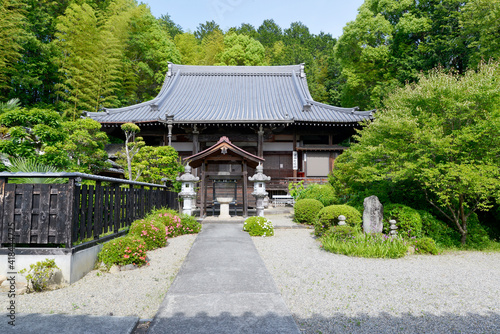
{"x": 157, "y": 163}
{"x": 205, "y": 29}
{"x": 241, "y": 50}
{"x": 391, "y": 42}
{"x": 33, "y": 77}
{"x": 11, "y": 34}
{"x": 167, "y": 24}
{"x": 479, "y": 21}
{"x": 269, "y": 33}
{"x": 148, "y": 52}
{"x": 443, "y": 134}
{"x": 211, "y": 45}
{"x": 189, "y": 48}
{"x": 132, "y": 147}
{"x": 30, "y": 131}
{"x": 85, "y": 145}
{"x": 77, "y": 37}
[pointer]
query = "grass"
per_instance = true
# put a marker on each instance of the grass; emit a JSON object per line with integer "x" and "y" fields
{"x": 366, "y": 245}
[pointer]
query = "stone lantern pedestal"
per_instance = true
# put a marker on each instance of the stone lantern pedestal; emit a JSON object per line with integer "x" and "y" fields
{"x": 187, "y": 193}
{"x": 259, "y": 188}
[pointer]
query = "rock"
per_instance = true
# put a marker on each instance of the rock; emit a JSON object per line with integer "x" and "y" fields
{"x": 6, "y": 286}
{"x": 128, "y": 267}
{"x": 22, "y": 291}
{"x": 372, "y": 215}
{"x": 56, "y": 279}
{"x": 114, "y": 269}
{"x": 2, "y": 279}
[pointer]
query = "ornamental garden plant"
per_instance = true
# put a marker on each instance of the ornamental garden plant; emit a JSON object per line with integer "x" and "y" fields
{"x": 153, "y": 233}
{"x": 124, "y": 250}
{"x": 258, "y": 226}
{"x": 146, "y": 234}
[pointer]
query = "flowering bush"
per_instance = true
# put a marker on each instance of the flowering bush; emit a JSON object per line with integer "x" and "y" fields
{"x": 258, "y": 226}
{"x": 175, "y": 225}
{"x": 153, "y": 233}
{"x": 123, "y": 250}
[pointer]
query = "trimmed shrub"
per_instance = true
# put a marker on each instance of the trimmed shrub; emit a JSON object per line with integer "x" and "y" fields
{"x": 153, "y": 233}
{"x": 321, "y": 192}
{"x": 439, "y": 231}
{"x": 425, "y": 246}
{"x": 306, "y": 210}
{"x": 343, "y": 232}
{"x": 329, "y": 216}
{"x": 407, "y": 219}
{"x": 258, "y": 226}
{"x": 123, "y": 250}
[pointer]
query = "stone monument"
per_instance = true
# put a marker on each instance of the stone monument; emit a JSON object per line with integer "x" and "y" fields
{"x": 372, "y": 215}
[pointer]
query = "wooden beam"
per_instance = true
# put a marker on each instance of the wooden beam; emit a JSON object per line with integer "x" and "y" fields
{"x": 245, "y": 190}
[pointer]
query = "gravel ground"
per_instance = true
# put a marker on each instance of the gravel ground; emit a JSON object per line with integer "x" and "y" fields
{"x": 128, "y": 293}
{"x": 329, "y": 293}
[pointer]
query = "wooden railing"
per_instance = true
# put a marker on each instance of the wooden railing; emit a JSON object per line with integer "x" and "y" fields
{"x": 57, "y": 214}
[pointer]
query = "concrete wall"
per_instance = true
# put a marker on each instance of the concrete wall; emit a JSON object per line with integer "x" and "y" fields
{"x": 73, "y": 265}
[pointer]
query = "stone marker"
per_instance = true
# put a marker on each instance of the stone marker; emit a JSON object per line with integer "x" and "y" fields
{"x": 373, "y": 215}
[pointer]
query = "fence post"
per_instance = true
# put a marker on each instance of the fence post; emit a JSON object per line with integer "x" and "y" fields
{"x": 72, "y": 217}
{"x": 118, "y": 207}
{"x": 3, "y": 227}
{"x": 98, "y": 210}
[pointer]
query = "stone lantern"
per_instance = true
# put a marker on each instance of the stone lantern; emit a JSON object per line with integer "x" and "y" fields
{"x": 259, "y": 188}
{"x": 187, "y": 193}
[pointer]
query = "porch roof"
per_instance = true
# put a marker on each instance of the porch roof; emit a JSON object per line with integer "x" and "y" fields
{"x": 223, "y": 150}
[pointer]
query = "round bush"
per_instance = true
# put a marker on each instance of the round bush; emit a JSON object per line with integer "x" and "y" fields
{"x": 321, "y": 192}
{"x": 306, "y": 210}
{"x": 425, "y": 246}
{"x": 329, "y": 216}
{"x": 408, "y": 220}
{"x": 258, "y": 226}
{"x": 123, "y": 250}
{"x": 153, "y": 233}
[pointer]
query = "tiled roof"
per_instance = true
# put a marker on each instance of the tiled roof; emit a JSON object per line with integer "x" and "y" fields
{"x": 233, "y": 94}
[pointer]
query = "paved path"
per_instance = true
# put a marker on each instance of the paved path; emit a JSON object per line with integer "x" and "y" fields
{"x": 223, "y": 287}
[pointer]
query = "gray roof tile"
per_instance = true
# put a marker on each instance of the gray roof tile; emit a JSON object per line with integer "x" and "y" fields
{"x": 236, "y": 94}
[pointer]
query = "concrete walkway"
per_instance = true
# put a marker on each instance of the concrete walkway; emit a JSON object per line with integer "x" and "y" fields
{"x": 223, "y": 287}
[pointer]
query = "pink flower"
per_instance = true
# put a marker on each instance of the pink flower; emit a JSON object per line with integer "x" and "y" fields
{"x": 126, "y": 256}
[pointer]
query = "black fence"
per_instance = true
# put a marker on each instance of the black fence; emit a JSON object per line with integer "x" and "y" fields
{"x": 69, "y": 213}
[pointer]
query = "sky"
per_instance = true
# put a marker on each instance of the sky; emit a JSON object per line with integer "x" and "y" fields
{"x": 328, "y": 16}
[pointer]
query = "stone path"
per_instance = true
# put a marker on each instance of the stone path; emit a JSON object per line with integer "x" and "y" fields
{"x": 223, "y": 287}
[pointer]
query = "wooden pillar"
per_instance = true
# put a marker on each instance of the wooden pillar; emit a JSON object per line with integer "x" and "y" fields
{"x": 260, "y": 142}
{"x": 196, "y": 144}
{"x": 245, "y": 190}
{"x": 294, "y": 149}
{"x": 203, "y": 196}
